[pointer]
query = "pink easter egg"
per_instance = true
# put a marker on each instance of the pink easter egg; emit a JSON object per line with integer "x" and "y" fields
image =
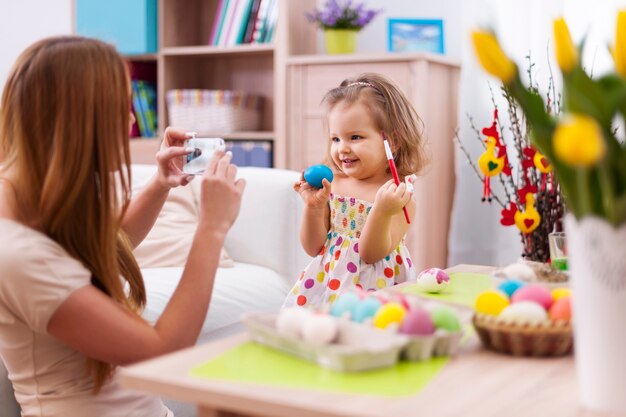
{"x": 535, "y": 293}
{"x": 417, "y": 322}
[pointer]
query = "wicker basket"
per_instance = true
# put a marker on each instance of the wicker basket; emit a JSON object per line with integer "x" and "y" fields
{"x": 545, "y": 339}
{"x": 213, "y": 111}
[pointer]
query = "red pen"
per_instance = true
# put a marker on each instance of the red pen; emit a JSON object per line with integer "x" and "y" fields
{"x": 394, "y": 171}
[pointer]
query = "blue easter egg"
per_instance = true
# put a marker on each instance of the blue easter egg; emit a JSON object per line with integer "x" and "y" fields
{"x": 365, "y": 309}
{"x": 344, "y": 303}
{"x": 316, "y": 173}
{"x": 510, "y": 286}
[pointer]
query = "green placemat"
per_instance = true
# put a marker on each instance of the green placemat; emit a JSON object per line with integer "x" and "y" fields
{"x": 463, "y": 288}
{"x": 257, "y": 364}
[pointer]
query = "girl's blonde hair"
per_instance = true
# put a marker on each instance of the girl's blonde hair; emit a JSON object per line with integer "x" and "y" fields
{"x": 64, "y": 127}
{"x": 392, "y": 113}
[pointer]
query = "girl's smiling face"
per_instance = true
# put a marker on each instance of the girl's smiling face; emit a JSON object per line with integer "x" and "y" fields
{"x": 356, "y": 143}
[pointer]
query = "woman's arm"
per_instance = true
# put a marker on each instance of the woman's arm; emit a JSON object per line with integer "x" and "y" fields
{"x": 93, "y": 324}
{"x": 316, "y": 215}
{"x": 146, "y": 206}
{"x": 386, "y": 226}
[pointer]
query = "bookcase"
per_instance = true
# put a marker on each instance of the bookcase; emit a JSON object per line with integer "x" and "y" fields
{"x": 185, "y": 60}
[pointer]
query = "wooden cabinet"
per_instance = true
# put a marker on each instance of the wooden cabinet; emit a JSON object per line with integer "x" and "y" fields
{"x": 431, "y": 83}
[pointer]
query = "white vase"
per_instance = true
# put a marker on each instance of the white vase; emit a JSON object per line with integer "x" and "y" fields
{"x": 597, "y": 261}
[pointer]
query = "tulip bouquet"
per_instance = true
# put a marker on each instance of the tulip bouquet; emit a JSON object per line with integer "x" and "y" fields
{"x": 581, "y": 142}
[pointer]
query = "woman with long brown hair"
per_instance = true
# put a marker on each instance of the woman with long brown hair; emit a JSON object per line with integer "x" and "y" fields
{"x": 71, "y": 292}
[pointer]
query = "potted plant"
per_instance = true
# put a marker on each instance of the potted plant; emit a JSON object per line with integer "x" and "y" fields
{"x": 341, "y": 20}
{"x": 590, "y": 162}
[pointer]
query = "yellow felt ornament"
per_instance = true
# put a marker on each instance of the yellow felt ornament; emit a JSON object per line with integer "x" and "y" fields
{"x": 529, "y": 219}
{"x": 490, "y": 165}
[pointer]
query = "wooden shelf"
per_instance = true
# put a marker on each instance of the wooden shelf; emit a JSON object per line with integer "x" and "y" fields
{"x": 142, "y": 57}
{"x": 369, "y": 57}
{"x": 218, "y": 50}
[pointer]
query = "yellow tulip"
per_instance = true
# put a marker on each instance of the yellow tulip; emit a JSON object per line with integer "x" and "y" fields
{"x": 578, "y": 141}
{"x": 619, "y": 51}
{"x": 492, "y": 58}
{"x": 566, "y": 52}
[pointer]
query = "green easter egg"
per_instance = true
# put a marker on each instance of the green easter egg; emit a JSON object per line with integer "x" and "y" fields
{"x": 445, "y": 318}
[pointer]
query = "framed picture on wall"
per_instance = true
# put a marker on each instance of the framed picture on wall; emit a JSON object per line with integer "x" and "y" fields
{"x": 416, "y": 35}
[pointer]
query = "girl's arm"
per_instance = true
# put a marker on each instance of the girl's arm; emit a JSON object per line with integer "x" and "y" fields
{"x": 386, "y": 226}
{"x": 316, "y": 215}
{"x": 146, "y": 206}
{"x": 92, "y": 323}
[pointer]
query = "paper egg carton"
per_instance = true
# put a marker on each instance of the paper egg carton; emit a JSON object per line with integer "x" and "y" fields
{"x": 356, "y": 348}
{"x": 441, "y": 343}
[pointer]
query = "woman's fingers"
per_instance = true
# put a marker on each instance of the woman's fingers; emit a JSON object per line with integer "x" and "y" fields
{"x": 211, "y": 168}
{"x": 176, "y": 137}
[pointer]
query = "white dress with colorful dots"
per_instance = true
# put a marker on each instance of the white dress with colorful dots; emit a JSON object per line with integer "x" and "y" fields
{"x": 338, "y": 266}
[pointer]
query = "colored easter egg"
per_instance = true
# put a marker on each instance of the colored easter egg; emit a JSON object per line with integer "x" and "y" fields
{"x": 491, "y": 302}
{"x": 316, "y": 173}
{"x": 445, "y": 318}
{"x": 290, "y": 320}
{"x": 345, "y": 304}
{"x": 366, "y": 308}
{"x": 558, "y": 293}
{"x": 510, "y": 286}
{"x": 319, "y": 329}
{"x": 433, "y": 280}
{"x": 417, "y": 322}
{"x": 561, "y": 309}
{"x": 533, "y": 292}
{"x": 388, "y": 314}
{"x": 524, "y": 312}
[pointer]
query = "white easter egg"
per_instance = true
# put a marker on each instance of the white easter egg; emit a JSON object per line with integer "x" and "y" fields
{"x": 319, "y": 329}
{"x": 523, "y": 312}
{"x": 433, "y": 280}
{"x": 519, "y": 271}
{"x": 290, "y": 321}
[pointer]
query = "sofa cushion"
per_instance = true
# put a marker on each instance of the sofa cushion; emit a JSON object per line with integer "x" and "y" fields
{"x": 240, "y": 289}
{"x": 169, "y": 241}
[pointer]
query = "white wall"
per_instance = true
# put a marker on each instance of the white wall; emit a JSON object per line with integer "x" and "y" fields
{"x": 25, "y": 21}
{"x": 523, "y": 26}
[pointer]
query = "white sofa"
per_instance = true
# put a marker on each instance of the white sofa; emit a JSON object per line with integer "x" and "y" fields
{"x": 263, "y": 243}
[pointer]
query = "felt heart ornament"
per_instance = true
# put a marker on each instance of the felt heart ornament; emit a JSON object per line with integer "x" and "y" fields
{"x": 545, "y": 162}
{"x": 492, "y": 165}
{"x": 528, "y": 223}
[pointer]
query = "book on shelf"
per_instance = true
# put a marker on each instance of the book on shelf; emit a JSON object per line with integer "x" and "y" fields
{"x": 221, "y": 8}
{"x": 144, "y": 105}
{"x": 244, "y": 21}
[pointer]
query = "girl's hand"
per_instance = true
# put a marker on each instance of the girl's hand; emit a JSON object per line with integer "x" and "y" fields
{"x": 220, "y": 196}
{"x": 313, "y": 197}
{"x": 170, "y": 161}
{"x": 390, "y": 198}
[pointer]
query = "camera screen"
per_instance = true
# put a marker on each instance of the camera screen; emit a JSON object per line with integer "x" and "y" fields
{"x": 196, "y": 162}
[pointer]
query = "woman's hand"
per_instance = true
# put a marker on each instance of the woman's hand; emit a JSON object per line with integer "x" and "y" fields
{"x": 313, "y": 197}
{"x": 390, "y": 198}
{"x": 170, "y": 158}
{"x": 220, "y": 197}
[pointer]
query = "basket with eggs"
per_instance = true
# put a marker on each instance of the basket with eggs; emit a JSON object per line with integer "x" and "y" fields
{"x": 360, "y": 331}
{"x": 525, "y": 319}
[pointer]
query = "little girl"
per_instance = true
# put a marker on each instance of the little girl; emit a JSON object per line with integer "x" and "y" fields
{"x": 355, "y": 227}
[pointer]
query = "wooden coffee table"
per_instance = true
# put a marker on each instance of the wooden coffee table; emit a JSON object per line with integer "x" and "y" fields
{"x": 474, "y": 383}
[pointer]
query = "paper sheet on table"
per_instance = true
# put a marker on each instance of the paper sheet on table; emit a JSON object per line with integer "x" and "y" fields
{"x": 257, "y": 364}
{"x": 463, "y": 288}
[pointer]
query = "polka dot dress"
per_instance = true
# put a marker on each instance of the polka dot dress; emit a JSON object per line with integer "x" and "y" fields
{"x": 338, "y": 266}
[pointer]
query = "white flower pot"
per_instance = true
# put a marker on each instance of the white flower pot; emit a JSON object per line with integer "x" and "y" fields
{"x": 597, "y": 261}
